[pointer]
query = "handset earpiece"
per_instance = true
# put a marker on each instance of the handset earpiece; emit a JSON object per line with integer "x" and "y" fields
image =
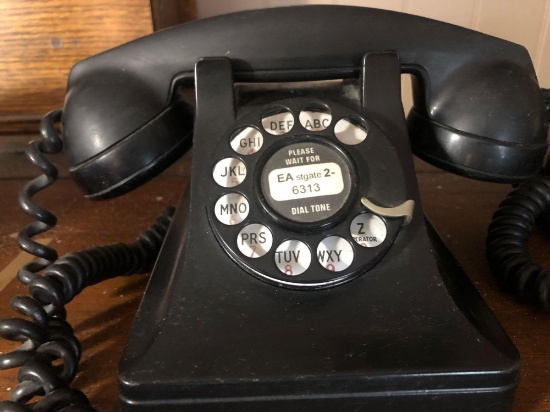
{"x": 487, "y": 122}
{"x": 137, "y": 157}
{"x": 113, "y": 148}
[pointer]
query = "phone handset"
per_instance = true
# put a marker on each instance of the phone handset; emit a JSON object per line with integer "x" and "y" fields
{"x": 453, "y": 96}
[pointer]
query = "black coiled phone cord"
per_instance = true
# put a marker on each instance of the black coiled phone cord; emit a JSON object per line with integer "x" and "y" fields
{"x": 49, "y": 354}
{"x": 507, "y": 247}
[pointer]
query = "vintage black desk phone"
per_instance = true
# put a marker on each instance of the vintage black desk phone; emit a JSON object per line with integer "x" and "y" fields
{"x": 299, "y": 272}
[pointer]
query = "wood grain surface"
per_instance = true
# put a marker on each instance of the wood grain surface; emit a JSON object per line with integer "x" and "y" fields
{"x": 459, "y": 208}
{"x": 41, "y": 39}
{"x": 167, "y": 13}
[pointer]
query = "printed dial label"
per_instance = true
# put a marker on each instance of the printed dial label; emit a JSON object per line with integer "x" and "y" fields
{"x": 231, "y": 209}
{"x": 229, "y": 172}
{"x": 335, "y": 253}
{"x": 315, "y": 121}
{"x": 368, "y": 230}
{"x": 300, "y": 182}
{"x": 292, "y": 257}
{"x": 248, "y": 141}
{"x": 279, "y": 123}
{"x": 254, "y": 240}
{"x": 306, "y": 181}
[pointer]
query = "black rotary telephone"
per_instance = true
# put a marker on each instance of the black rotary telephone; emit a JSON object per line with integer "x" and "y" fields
{"x": 299, "y": 272}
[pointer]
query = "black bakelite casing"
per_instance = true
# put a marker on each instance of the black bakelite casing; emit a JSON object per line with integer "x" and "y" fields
{"x": 409, "y": 334}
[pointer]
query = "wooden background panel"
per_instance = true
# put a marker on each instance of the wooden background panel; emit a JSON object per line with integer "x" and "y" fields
{"x": 168, "y": 13}
{"x": 40, "y": 41}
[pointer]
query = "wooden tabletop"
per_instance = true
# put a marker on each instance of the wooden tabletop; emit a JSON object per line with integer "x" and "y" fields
{"x": 459, "y": 208}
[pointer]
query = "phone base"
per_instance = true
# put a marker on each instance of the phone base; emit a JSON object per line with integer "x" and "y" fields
{"x": 410, "y": 334}
{"x": 407, "y": 333}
